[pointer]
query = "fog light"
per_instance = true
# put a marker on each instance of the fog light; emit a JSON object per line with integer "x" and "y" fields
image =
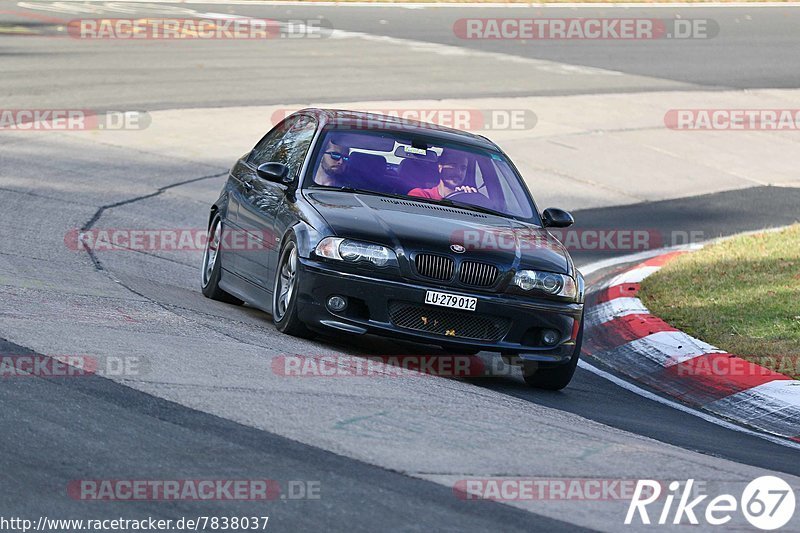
{"x": 549, "y": 337}
{"x": 337, "y": 304}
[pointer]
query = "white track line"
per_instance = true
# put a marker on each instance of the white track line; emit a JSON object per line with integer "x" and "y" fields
{"x": 591, "y": 268}
{"x": 680, "y": 407}
{"x": 643, "y": 256}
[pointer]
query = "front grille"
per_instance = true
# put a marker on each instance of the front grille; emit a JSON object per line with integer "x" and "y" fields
{"x": 434, "y": 266}
{"x": 448, "y": 323}
{"x": 477, "y": 274}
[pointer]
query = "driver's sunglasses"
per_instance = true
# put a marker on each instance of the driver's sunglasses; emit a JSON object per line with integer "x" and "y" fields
{"x": 336, "y": 156}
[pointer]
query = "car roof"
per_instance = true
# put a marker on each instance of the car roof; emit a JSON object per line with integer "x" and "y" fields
{"x": 375, "y": 121}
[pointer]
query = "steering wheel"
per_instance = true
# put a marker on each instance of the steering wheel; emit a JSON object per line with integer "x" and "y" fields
{"x": 471, "y": 198}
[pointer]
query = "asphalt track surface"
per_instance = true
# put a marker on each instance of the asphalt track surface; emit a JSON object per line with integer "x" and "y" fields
{"x": 755, "y": 48}
{"x": 55, "y": 430}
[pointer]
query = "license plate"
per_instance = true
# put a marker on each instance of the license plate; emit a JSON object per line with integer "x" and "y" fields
{"x": 453, "y": 301}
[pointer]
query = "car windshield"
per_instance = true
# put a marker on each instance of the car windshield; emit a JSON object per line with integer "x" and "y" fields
{"x": 393, "y": 163}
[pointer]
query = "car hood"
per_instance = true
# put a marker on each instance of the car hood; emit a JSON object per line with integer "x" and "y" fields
{"x": 408, "y": 226}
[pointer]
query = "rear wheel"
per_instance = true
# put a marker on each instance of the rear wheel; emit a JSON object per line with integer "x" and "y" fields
{"x": 212, "y": 265}
{"x": 284, "y": 295}
{"x": 553, "y": 377}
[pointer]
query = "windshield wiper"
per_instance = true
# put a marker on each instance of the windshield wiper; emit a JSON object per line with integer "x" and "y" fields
{"x": 348, "y": 188}
{"x": 343, "y": 188}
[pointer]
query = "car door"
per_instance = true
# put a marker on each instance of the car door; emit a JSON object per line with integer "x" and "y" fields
{"x": 233, "y": 231}
{"x": 261, "y": 199}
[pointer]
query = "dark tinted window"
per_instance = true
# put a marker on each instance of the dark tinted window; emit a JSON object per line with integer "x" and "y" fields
{"x": 288, "y": 143}
{"x": 391, "y": 162}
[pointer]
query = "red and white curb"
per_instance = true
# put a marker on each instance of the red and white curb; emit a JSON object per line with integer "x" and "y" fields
{"x": 623, "y": 335}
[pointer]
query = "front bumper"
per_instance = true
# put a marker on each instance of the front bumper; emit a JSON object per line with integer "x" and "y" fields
{"x": 500, "y": 322}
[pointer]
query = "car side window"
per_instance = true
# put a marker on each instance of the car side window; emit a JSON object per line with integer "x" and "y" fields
{"x": 297, "y": 142}
{"x": 268, "y": 146}
{"x": 287, "y": 144}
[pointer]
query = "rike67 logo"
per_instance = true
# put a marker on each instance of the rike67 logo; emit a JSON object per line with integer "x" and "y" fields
{"x": 767, "y": 503}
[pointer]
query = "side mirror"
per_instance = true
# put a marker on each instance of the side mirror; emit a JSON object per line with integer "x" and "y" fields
{"x": 275, "y": 172}
{"x": 557, "y": 218}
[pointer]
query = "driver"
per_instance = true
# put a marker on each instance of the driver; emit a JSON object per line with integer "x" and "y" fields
{"x": 452, "y": 172}
{"x": 333, "y": 165}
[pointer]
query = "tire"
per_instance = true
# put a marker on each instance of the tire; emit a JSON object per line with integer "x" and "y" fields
{"x": 212, "y": 265}
{"x": 553, "y": 377}
{"x": 284, "y": 293}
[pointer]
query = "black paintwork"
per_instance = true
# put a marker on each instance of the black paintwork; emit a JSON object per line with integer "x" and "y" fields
{"x": 269, "y": 207}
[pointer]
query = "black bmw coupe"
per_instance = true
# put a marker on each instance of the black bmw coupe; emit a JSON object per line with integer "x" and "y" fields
{"x": 365, "y": 223}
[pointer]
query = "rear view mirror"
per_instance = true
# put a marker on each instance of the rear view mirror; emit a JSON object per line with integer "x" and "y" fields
{"x": 420, "y": 154}
{"x": 275, "y": 172}
{"x": 556, "y": 218}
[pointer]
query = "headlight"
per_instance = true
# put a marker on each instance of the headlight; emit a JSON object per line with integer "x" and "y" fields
{"x": 547, "y": 282}
{"x": 355, "y": 251}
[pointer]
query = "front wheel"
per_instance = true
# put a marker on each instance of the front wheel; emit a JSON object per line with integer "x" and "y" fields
{"x": 284, "y": 294}
{"x": 553, "y": 377}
